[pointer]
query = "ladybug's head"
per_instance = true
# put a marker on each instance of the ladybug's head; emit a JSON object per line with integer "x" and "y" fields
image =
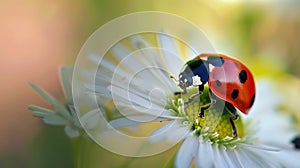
{"x": 184, "y": 80}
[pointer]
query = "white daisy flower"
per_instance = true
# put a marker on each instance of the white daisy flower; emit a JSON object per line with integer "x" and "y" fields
{"x": 63, "y": 114}
{"x": 276, "y": 127}
{"x": 142, "y": 91}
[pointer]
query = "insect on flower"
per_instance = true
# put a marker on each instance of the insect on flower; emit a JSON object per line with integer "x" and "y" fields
{"x": 228, "y": 80}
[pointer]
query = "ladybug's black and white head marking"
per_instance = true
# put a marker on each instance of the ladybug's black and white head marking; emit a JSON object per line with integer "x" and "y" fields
{"x": 184, "y": 80}
{"x": 194, "y": 73}
{"x": 196, "y": 80}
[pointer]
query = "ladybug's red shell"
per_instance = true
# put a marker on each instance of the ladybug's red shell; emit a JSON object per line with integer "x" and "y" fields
{"x": 232, "y": 82}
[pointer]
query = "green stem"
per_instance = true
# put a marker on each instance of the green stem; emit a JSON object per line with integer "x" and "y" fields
{"x": 78, "y": 148}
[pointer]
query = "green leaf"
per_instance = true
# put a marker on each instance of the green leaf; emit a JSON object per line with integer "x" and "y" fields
{"x": 38, "y": 108}
{"x": 54, "y": 119}
{"x": 71, "y": 132}
{"x": 39, "y": 111}
{"x": 56, "y": 104}
{"x": 66, "y": 79}
{"x": 39, "y": 114}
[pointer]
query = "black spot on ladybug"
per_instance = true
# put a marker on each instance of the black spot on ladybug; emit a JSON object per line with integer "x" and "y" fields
{"x": 296, "y": 142}
{"x": 243, "y": 76}
{"x": 218, "y": 83}
{"x": 234, "y": 94}
{"x": 252, "y": 100}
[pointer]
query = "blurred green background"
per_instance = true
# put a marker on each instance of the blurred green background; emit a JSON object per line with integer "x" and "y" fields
{"x": 38, "y": 36}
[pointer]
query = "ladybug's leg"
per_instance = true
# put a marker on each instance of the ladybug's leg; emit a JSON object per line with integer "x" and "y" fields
{"x": 203, "y": 108}
{"x": 235, "y": 116}
{"x": 206, "y": 106}
{"x": 200, "y": 91}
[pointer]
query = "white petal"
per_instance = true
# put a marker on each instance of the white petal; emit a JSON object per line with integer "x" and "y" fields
{"x": 220, "y": 161}
{"x": 108, "y": 68}
{"x": 186, "y": 152}
{"x": 138, "y": 42}
{"x": 275, "y": 128}
{"x": 144, "y": 54}
{"x": 173, "y": 131}
{"x": 155, "y": 94}
{"x": 259, "y": 147}
{"x": 122, "y": 97}
{"x": 91, "y": 120}
{"x": 146, "y": 116}
{"x": 95, "y": 58}
{"x": 167, "y": 43}
{"x": 134, "y": 73}
{"x": 230, "y": 161}
{"x": 98, "y": 90}
{"x": 179, "y": 134}
{"x": 138, "y": 79}
{"x": 234, "y": 158}
{"x": 122, "y": 122}
{"x": 120, "y": 52}
{"x": 171, "y": 54}
{"x": 246, "y": 160}
{"x": 126, "y": 122}
{"x": 267, "y": 116}
{"x": 264, "y": 158}
{"x": 164, "y": 128}
{"x": 290, "y": 158}
{"x": 142, "y": 72}
{"x": 147, "y": 55}
{"x": 204, "y": 156}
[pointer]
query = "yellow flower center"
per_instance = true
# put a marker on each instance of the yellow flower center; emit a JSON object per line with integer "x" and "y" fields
{"x": 216, "y": 122}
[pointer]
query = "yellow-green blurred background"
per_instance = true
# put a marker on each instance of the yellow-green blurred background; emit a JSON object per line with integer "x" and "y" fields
{"x": 38, "y": 36}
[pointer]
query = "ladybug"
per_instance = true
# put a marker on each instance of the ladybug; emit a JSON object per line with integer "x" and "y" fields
{"x": 228, "y": 80}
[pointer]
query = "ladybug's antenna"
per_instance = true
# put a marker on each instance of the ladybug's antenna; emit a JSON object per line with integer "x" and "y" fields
{"x": 172, "y": 77}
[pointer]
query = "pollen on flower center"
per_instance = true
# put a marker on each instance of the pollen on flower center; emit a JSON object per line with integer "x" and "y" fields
{"x": 215, "y": 126}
